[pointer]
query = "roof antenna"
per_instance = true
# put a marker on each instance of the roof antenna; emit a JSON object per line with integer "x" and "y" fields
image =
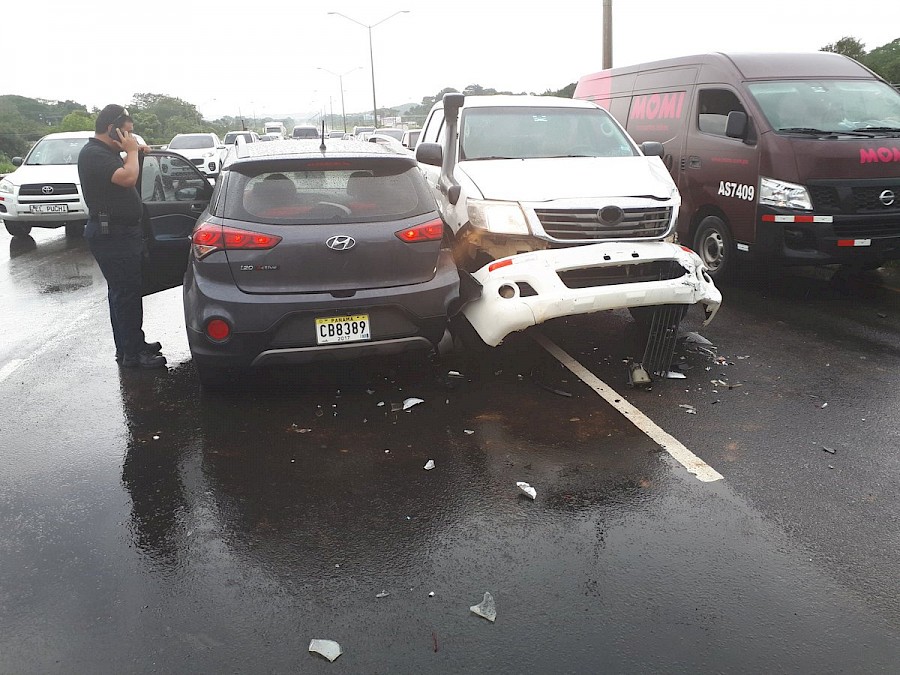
{"x": 322, "y": 146}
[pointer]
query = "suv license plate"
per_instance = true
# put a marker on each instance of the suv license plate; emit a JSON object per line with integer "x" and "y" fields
{"x": 49, "y": 208}
{"x": 337, "y": 329}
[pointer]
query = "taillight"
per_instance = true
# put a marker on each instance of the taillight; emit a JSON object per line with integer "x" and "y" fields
{"x": 209, "y": 238}
{"x": 430, "y": 231}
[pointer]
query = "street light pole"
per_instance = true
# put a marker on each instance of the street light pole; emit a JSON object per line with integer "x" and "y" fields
{"x": 371, "y": 57}
{"x": 340, "y": 77}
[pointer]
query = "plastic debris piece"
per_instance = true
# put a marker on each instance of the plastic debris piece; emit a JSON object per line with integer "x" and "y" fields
{"x": 431, "y": 595}
{"x": 370, "y": 391}
{"x": 380, "y": 404}
{"x": 319, "y": 411}
{"x": 383, "y": 594}
{"x": 468, "y": 432}
{"x": 638, "y": 376}
{"x": 558, "y": 392}
{"x": 487, "y": 609}
{"x": 429, "y": 465}
{"x": 824, "y": 405}
{"x": 454, "y": 373}
{"x": 396, "y": 407}
{"x": 526, "y": 489}
{"x": 434, "y": 640}
{"x": 689, "y": 409}
{"x": 156, "y": 438}
{"x": 675, "y": 375}
{"x": 410, "y": 402}
{"x": 327, "y": 648}
{"x": 828, "y": 450}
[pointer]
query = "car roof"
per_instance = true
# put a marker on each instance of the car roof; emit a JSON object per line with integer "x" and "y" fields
{"x": 198, "y": 133}
{"x": 70, "y": 134}
{"x": 523, "y": 101}
{"x": 309, "y": 149}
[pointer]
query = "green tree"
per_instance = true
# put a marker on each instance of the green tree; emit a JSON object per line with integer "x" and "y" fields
{"x": 149, "y": 127}
{"x": 78, "y": 120}
{"x": 848, "y": 46}
{"x": 885, "y": 61}
{"x": 566, "y": 92}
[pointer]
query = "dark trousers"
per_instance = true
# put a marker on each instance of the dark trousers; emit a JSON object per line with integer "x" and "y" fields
{"x": 122, "y": 271}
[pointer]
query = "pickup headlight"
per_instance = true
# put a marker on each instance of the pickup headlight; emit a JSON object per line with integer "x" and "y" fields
{"x": 786, "y": 195}
{"x": 6, "y": 186}
{"x": 498, "y": 217}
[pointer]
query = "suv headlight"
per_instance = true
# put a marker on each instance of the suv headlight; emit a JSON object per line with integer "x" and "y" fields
{"x": 6, "y": 186}
{"x": 786, "y": 195}
{"x": 498, "y": 217}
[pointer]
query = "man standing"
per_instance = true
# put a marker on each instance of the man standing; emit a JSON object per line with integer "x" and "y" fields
{"x": 113, "y": 230}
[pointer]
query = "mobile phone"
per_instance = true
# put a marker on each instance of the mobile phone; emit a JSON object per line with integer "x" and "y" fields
{"x": 113, "y": 135}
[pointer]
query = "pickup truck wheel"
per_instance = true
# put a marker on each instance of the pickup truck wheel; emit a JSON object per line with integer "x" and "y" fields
{"x": 17, "y": 229}
{"x": 715, "y": 246}
{"x": 74, "y": 230}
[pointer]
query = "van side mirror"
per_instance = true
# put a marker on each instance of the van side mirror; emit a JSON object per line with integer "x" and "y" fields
{"x": 652, "y": 149}
{"x": 430, "y": 153}
{"x": 17, "y": 161}
{"x": 736, "y": 126}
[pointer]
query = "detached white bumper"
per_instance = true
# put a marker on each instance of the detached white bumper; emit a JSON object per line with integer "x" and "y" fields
{"x": 527, "y": 289}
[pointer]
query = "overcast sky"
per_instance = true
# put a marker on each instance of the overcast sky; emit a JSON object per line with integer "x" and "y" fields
{"x": 263, "y": 57}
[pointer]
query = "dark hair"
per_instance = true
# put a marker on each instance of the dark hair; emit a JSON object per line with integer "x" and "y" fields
{"x": 111, "y": 114}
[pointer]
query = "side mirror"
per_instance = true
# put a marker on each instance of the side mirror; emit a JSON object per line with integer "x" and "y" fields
{"x": 164, "y": 147}
{"x": 17, "y": 161}
{"x": 430, "y": 153}
{"x": 188, "y": 194}
{"x": 652, "y": 149}
{"x": 736, "y": 126}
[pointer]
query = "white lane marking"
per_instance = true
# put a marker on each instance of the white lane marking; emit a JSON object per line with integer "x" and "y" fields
{"x": 670, "y": 444}
{"x": 9, "y": 368}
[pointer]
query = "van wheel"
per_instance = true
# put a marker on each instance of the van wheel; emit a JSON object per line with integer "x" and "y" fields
{"x": 74, "y": 229}
{"x": 715, "y": 246}
{"x": 17, "y": 229}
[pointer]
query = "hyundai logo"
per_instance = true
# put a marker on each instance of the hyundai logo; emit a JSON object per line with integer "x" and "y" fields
{"x": 48, "y": 190}
{"x": 887, "y": 197}
{"x": 611, "y": 215}
{"x": 340, "y": 242}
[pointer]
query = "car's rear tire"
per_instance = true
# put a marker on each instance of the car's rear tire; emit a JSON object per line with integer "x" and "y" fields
{"x": 17, "y": 229}
{"x": 715, "y": 246}
{"x": 74, "y": 229}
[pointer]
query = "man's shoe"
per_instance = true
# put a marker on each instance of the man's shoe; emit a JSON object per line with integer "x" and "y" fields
{"x": 148, "y": 348}
{"x": 144, "y": 360}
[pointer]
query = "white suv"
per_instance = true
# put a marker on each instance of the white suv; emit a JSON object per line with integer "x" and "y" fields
{"x": 45, "y": 191}
{"x": 205, "y": 151}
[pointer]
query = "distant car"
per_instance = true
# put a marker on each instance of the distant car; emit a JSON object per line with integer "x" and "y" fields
{"x": 388, "y": 141}
{"x": 336, "y": 134}
{"x": 305, "y": 131}
{"x": 271, "y": 137}
{"x": 45, "y": 191}
{"x": 410, "y": 138}
{"x": 393, "y": 133}
{"x": 204, "y": 150}
{"x": 249, "y": 136}
{"x": 376, "y": 276}
{"x": 357, "y": 130}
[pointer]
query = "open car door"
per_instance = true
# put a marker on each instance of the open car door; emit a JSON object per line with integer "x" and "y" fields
{"x": 174, "y": 194}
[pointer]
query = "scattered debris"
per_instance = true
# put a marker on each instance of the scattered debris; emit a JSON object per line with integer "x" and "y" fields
{"x": 319, "y": 411}
{"x": 468, "y": 432}
{"x": 431, "y": 595}
{"x": 526, "y": 489}
{"x": 637, "y": 376}
{"x": 434, "y": 640}
{"x": 882, "y": 315}
{"x": 155, "y": 437}
{"x": 689, "y": 409}
{"x": 396, "y": 407}
{"x": 824, "y": 405}
{"x": 383, "y": 594}
{"x": 741, "y": 358}
{"x": 429, "y": 465}
{"x": 327, "y": 648}
{"x": 380, "y": 404}
{"x": 487, "y": 609}
{"x": 454, "y": 373}
{"x": 828, "y": 450}
{"x": 674, "y": 375}
{"x": 298, "y": 430}
{"x": 831, "y": 466}
{"x": 558, "y": 392}
{"x": 410, "y": 402}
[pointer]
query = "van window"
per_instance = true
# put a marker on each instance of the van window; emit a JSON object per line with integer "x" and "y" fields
{"x": 712, "y": 111}
{"x": 432, "y": 133}
{"x": 828, "y": 105}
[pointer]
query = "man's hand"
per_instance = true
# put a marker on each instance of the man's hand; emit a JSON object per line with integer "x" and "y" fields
{"x": 128, "y": 141}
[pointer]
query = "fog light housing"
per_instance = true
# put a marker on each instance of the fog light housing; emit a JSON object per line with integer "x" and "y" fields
{"x": 218, "y": 330}
{"x": 506, "y": 291}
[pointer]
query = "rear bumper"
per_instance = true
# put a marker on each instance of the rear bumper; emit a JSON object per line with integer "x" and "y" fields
{"x": 543, "y": 285}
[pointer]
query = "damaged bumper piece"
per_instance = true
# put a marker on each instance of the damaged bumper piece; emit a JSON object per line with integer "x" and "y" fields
{"x": 530, "y": 288}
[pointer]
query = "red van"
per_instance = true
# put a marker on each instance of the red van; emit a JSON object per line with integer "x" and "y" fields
{"x": 791, "y": 158}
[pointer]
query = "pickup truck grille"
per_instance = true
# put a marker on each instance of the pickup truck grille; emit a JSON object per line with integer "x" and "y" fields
{"x": 630, "y": 273}
{"x": 56, "y": 189}
{"x": 585, "y": 224}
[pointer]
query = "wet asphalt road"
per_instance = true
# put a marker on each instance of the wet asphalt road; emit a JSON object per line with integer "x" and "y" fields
{"x": 146, "y": 526}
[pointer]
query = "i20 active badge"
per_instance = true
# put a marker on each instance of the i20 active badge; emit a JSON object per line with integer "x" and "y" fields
{"x": 340, "y": 242}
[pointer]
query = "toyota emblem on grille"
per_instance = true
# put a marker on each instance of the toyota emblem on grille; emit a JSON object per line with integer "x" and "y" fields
{"x": 611, "y": 215}
{"x": 340, "y": 242}
{"x": 887, "y": 197}
{"x": 47, "y": 189}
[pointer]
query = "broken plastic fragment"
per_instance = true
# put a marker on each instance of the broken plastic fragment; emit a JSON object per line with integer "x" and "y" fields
{"x": 828, "y": 450}
{"x": 410, "y": 402}
{"x": 689, "y": 409}
{"x": 395, "y": 407}
{"x": 824, "y": 405}
{"x": 526, "y": 489}
{"x": 327, "y": 648}
{"x": 429, "y": 465}
{"x": 637, "y": 376}
{"x": 454, "y": 373}
{"x": 383, "y": 594}
{"x": 468, "y": 432}
{"x": 675, "y": 375}
{"x": 487, "y": 609}
{"x": 431, "y": 595}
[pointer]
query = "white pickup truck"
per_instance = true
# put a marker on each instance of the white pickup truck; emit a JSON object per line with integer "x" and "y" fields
{"x": 555, "y": 212}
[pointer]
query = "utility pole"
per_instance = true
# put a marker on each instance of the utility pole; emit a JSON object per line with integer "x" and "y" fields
{"x": 607, "y": 34}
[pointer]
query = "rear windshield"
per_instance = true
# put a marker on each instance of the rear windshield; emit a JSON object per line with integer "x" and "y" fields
{"x": 330, "y": 191}
{"x": 56, "y": 151}
{"x": 306, "y": 132}
{"x": 516, "y": 132}
{"x": 232, "y": 136}
{"x": 191, "y": 142}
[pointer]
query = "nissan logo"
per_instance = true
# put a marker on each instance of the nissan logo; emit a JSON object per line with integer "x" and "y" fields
{"x": 611, "y": 215}
{"x": 340, "y": 242}
{"x": 48, "y": 190}
{"x": 887, "y": 197}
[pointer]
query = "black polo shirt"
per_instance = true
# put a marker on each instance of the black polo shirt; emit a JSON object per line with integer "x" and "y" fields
{"x": 97, "y": 163}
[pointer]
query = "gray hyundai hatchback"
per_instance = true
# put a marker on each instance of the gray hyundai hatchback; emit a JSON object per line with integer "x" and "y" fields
{"x": 308, "y": 252}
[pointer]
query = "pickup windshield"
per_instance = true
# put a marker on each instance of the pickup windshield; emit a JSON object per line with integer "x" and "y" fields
{"x": 56, "y": 151}
{"x": 532, "y": 132}
{"x": 828, "y": 106}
